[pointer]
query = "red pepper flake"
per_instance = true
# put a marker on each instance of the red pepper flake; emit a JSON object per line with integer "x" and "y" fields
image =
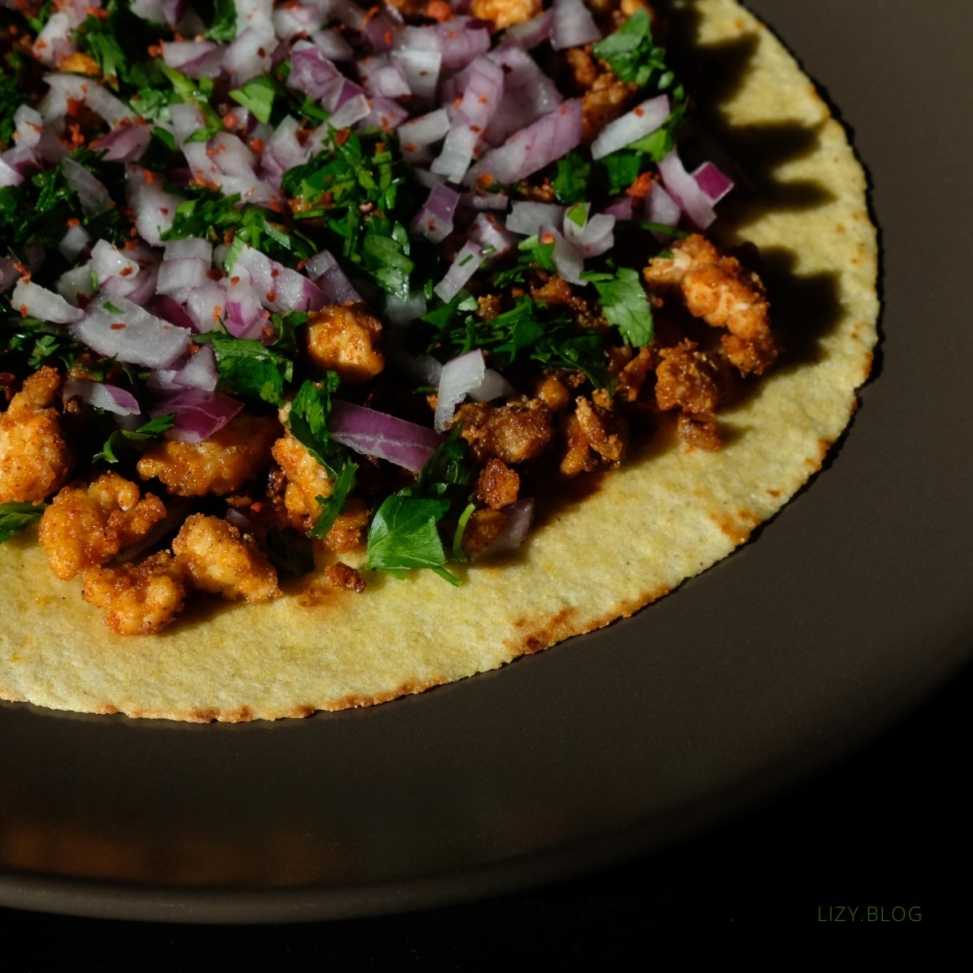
{"x": 230, "y": 121}
{"x": 118, "y": 326}
{"x": 125, "y": 272}
{"x": 155, "y": 50}
{"x": 638, "y": 112}
{"x": 149, "y": 176}
{"x": 547, "y": 237}
{"x": 641, "y": 186}
{"x": 213, "y": 273}
{"x": 387, "y": 37}
{"x": 271, "y": 296}
{"x": 257, "y": 145}
{"x": 97, "y": 12}
{"x": 342, "y": 136}
{"x": 275, "y": 272}
{"x": 484, "y": 180}
{"x": 431, "y": 224}
{"x": 74, "y": 221}
{"x": 410, "y": 147}
{"x": 234, "y": 280}
{"x": 217, "y": 313}
{"x": 23, "y": 310}
{"x": 261, "y": 52}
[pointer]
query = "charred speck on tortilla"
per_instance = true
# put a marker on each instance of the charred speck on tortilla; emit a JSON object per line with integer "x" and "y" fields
{"x": 305, "y": 290}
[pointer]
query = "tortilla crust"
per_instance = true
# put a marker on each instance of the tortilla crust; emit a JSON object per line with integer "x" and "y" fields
{"x": 322, "y": 648}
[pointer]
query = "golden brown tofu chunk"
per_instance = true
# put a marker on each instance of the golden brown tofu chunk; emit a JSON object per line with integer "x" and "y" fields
{"x": 139, "y": 599}
{"x": 718, "y": 289}
{"x": 307, "y": 480}
{"x": 515, "y": 432}
{"x": 87, "y": 525}
{"x": 218, "y": 465}
{"x": 216, "y": 557}
{"x": 505, "y": 12}
{"x": 34, "y": 458}
{"x": 344, "y": 338}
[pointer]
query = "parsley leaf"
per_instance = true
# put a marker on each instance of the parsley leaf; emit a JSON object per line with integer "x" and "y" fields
{"x": 571, "y": 183}
{"x": 630, "y": 53}
{"x": 223, "y": 28}
{"x": 15, "y": 517}
{"x": 404, "y": 535}
{"x": 624, "y": 304}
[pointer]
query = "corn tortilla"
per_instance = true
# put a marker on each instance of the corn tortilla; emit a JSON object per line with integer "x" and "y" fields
{"x": 659, "y": 520}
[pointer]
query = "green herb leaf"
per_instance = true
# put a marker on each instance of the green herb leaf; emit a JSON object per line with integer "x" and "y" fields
{"x": 571, "y": 184}
{"x": 330, "y": 507}
{"x": 249, "y": 369}
{"x": 257, "y": 95}
{"x": 308, "y": 419}
{"x": 15, "y": 517}
{"x": 153, "y": 429}
{"x": 223, "y": 29}
{"x": 404, "y": 535}
{"x": 624, "y": 304}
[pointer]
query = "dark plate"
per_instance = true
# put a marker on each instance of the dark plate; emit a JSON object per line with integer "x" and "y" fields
{"x": 846, "y": 610}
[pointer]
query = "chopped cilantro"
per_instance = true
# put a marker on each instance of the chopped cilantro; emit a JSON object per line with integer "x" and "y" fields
{"x": 571, "y": 184}
{"x": 257, "y": 95}
{"x": 624, "y": 304}
{"x": 223, "y": 25}
{"x": 331, "y": 506}
{"x": 152, "y": 429}
{"x": 117, "y": 43}
{"x": 251, "y": 370}
{"x": 630, "y": 53}
{"x": 15, "y": 517}
{"x": 308, "y": 420}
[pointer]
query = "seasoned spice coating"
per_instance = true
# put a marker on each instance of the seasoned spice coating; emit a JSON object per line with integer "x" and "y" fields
{"x": 34, "y": 458}
{"x": 219, "y": 465}
{"x": 87, "y": 525}
{"x": 344, "y": 338}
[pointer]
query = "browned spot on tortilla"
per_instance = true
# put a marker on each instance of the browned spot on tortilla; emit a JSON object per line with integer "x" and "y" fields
{"x": 738, "y": 529}
{"x": 202, "y": 715}
{"x": 409, "y": 688}
{"x": 544, "y": 632}
{"x": 839, "y": 228}
{"x": 314, "y": 595}
{"x": 242, "y": 715}
{"x": 302, "y": 712}
{"x": 773, "y": 493}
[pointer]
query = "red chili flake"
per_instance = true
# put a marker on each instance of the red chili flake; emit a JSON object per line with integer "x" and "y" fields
{"x": 213, "y": 273}
{"x": 387, "y": 37}
{"x": 118, "y": 326}
{"x": 234, "y": 280}
{"x": 257, "y": 145}
{"x": 410, "y": 147}
{"x": 74, "y": 221}
{"x": 125, "y": 272}
{"x": 275, "y": 272}
{"x": 457, "y": 102}
{"x": 216, "y": 314}
{"x": 155, "y": 50}
{"x": 476, "y": 128}
{"x": 640, "y": 186}
{"x": 638, "y": 112}
{"x": 431, "y": 224}
{"x": 261, "y": 52}
{"x": 149, "y": 175}
{"x": 547, "y": 237}
{"x": 23, "y": 310}
{"x": 342, "y": 136}
{"x": 164, "y": 210}
{"x": 271, "y": 296}
{"x": 484, "y": 180}
{"x": 230, "y": 121}
{"x": 97, "y": 12}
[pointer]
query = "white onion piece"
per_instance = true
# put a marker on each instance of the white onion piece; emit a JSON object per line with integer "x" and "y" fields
{"x": 154, "y": 208}
{"x": 54, "y": 42}
{"x": 125, "y": 144}
{"x": 642, "y": 120}
{"x": 76, "y": 283}
{"x": 28, "y": 126}
{"x": 372, "y": 433}
{"x": 381, "y": 75}
{"x": 421, "y": 70}
{"x": 332, "y": 45}
{"x": 594, "y": 236}
{"x": 458, "y": 377}
{"x": 493, "y": 386}
{"x": 326, "y": 272}
{"x": 131, "y": 334}
{"x": 487, "y": 231}
{"x": 92, "y": 195}
{"x": 251, "y": 53}
{"x": 353, "y": 110}
{"x": 291, "y": 20}
{"x": 101, "y": 395}
{"x": 435, "y": 220}
{"x": 108, "y": 261}
{"x": 572, "y": 25}
{"x": 38, "y": 302}
{"x": 9, "y": 176}
{"x": 195, "y": 59}
{"x": 685, "y": 191}
{"x": 311, "y": 71}
{"x": 200, "y": 371}
{"x": 463, "y": 267}
{"x": 530, "y": 33}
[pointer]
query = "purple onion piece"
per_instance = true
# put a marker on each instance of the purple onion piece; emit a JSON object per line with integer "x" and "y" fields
{"x": 372, "y": 433}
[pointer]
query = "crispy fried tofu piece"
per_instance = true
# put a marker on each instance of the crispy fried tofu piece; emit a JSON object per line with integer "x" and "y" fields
{"x": 138, "y": 599}
{"x": 596, "y": 435}
{"x": 504, "y": 13}
{"x": 718, "y": 289}
{"x": 220, "y": 464}
{"x": 34, "y": 458}
{"x": 515, "y": 432}
{"x": 344, "y": 338}
{"x": 216, "y": 557}
{"x": 307, "y": 480}
{"x": 88, "y": 524}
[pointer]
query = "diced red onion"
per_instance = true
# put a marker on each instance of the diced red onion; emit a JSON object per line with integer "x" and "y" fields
{"x": 686, "y": 191}
{"x": 251, "y": 54}
{"x": 567, "y": 258}
{"x": 463, "y": 267}
{"x": 195, "y": 59}
{"x": 458, "y": 377}
{"x": 378, "y": 434}
{"x": 714, "y": 183}
{"x": 519, "y": 516}
{"x": 332, "y": 45}
{"x": 435, "y": 220}
{"x": 487, "y": 231}
{"x": 131, "y": 334}
{"x": 662, "y": 209}
{"x": 198, "y": 414}
{"x": 353, "y": 110}
{"x": 621, "y": 208}
{"x": 572, "y": 25}
{"x": 101, "y": 395}
{"x": 38, "y": 302}
{"x": 421, "y": 69}
{"x": 527, "y": 218}
{"x": 325, "y": 271}
{"x": 125, "y": 144}
{"x": 528, "y": 93}
{"x": 74, "y": 243}
{"x": 594, "y": 236}
{"x": 154, "y": 208}
{"x": 532, "y": 148}
{"x": 199, "y": 371}
{"x": 530, "y": 33}
{"x": 632, "y": 126}
{"x": 311, "y": 71}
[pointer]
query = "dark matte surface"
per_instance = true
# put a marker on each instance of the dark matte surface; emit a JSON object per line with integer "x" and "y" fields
{"x": 849, "y": 608}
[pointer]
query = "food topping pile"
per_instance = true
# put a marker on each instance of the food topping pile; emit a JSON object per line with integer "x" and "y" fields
{"x": 307, "y": 285}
